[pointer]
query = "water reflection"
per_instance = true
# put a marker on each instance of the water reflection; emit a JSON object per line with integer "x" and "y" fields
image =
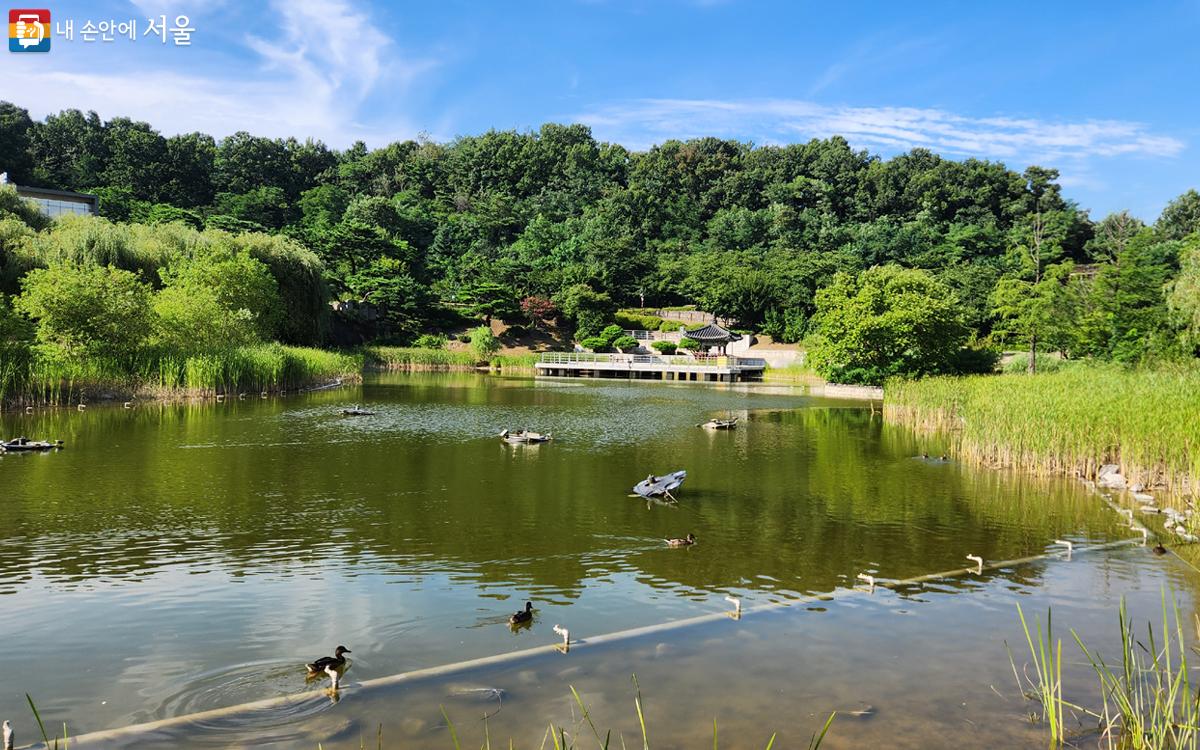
{"x": 191, "y": 553}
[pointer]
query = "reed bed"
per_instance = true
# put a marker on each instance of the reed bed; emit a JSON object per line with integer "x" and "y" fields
{"x": 416, "y": 358}
{"x": 40, "y": 380}
{"x": 1147, "y": 421}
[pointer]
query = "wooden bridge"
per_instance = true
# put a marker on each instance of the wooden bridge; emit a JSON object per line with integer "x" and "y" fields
{"x": 712, "y": 369}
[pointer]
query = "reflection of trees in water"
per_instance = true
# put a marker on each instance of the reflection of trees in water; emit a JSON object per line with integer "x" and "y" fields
{"x": 793, "y": 500}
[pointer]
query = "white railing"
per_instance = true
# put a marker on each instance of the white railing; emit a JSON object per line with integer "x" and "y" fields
{"x": 686, "y": 361}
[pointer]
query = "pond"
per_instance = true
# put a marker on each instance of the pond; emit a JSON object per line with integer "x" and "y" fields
{"x": 180, "y": 558}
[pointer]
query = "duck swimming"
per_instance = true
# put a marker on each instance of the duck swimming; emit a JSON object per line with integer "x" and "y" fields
{"x": 337, "y": 661}
{"x": 522, "y": 615}
{"x": 687, "y": 541}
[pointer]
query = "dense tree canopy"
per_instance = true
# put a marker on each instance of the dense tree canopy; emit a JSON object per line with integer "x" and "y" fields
{"x": 483, "y": 222}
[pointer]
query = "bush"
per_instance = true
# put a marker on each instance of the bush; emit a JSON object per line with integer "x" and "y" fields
{"x": 595, "y": 343}
{"x": 637, "y": 321}
{"x": 484, "y": 343}
{"x": 976, "y": 360}
{"x": 670, "y": 325}
{"x": 611, "y": 333}
{"x": 686, "y": 343}
{"x": 663, "y": 347}
{"x": 430, "y": 341}
{"x": 625, "y": 342}
{"x": 1045, "y": 363}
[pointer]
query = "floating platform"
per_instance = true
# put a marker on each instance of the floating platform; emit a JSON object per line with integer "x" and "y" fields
{"x": 721, "y": 369}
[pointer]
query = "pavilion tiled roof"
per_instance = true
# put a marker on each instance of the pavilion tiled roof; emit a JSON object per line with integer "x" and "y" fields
{"x": 712, "y": 334}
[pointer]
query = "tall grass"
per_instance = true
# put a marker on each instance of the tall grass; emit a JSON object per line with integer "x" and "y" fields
{"x": 1073, "y": 421}
{"x": 1147, "y": 702}
{"x": 416, "y": 358}
{"x": 265, "y": 367}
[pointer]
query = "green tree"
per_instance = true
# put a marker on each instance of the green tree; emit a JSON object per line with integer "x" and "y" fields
{"x": 1029, "y": 299}
{"x": 68, "y": 150}
{"x": 484, "y": 343}
{"x": 193, "y": 320}
{"x": 1181, "y": 217}
{"x": 404, "y": 301}
{"x": 239, "y": 283}
{"x": 87, "y": 310}
{"x": 586, "y": 308}
{"x": 887, "y": 321}
{"x": 1183, "y": 298}
{"x": 489, "y": 299}
{"x": 15, "y": 126}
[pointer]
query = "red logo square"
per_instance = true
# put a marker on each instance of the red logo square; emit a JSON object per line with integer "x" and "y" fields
{"x": 40, "y": 14}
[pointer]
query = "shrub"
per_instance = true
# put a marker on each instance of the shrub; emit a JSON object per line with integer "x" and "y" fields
{"x": 663, "y": 347}
{"x": 484, "y": 343}
{"x": 538, "y": 309}
{"x": 686, "y": 343}
{"x": 430, "y": 341}
{"x": 637, "y": 321}
{"x": 611, "y": 333}
{"x": 670, "y": 325}
{"x": 625, "y": 342}
{"x": 595, "y": 343}
{"x": 90, "y": 310}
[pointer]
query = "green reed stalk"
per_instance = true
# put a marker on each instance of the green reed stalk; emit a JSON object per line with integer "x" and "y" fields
{"x": 1072, "y": 421}
{"x": 1152, "y": 702}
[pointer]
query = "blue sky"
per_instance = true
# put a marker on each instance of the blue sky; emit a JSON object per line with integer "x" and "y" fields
{"x": 1104, "y": 91}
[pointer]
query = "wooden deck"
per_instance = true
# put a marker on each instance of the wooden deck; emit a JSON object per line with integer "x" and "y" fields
{"x": 650, "y": 367}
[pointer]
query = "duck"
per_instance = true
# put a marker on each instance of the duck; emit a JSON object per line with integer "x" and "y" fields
{"x": 1158, "y": 549}
{"x": 522, "y": 615}
{"x": 337, "y": 661}
{"x": 687, "y": 541}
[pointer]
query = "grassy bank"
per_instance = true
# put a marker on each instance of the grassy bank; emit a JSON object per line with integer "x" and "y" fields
{"x": 1073, "y": 421}
{"x": 35, "y": 380}
{"x": 413, "y": 358}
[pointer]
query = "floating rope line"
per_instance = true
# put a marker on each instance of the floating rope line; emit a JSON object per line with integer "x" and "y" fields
{"x": 135, "y": 731}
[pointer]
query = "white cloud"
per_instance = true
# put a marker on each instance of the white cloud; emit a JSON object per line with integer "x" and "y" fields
{"x": 643, "y": 122}
{"x": 302, "y": 81}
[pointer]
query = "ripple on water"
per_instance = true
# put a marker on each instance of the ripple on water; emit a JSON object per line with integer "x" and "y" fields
{"x": 243, "y": 683}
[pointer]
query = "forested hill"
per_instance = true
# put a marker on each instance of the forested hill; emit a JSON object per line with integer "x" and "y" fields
{"x": 748, "y": 232}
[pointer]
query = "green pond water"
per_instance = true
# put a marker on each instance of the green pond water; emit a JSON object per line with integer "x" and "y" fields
{"x": 179, "y": 558}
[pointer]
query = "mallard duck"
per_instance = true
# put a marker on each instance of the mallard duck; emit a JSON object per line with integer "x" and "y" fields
{"x": 522, "y": 615}
{"x": 1158, "y": 549}
{"x": 687, "y": 541}
{"x": 337, "y": 661}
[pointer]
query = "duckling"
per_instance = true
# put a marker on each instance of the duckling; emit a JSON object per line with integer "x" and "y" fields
{"x": 1158, "y": 549}
{"x": 522, "y": 615}
{"x": 687, "y": 541}
{"x": 336, "y": 661}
